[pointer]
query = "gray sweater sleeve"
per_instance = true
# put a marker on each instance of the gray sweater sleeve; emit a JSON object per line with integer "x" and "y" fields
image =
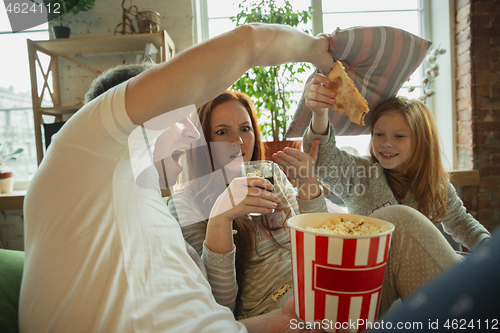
{"x": 360, "y": 183}
{"x": 462, "y": 226}
{"x": 221, "y": 273}
{"x": 317, "y": 205}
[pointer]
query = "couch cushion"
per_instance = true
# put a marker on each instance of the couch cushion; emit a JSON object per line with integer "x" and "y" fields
{"x": 11, "y": 271}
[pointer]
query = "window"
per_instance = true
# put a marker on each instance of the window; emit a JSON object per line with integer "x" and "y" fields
{"x": 16, "y": 114}
{"x": 215, "y": 19}
{"x": 411, "y": 15}
{"x": 217, "y": 15}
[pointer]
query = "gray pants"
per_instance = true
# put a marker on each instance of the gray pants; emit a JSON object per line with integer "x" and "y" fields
{"x": 419, "y": 252}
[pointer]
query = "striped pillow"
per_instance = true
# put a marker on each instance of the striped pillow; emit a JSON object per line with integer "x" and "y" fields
{"x": 378, "y": 60}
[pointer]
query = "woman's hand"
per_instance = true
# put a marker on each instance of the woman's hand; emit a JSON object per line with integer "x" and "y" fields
{"x": 244, "y": 195}
{"x": 319, "y": 99}
{"x": 299, "y": 167}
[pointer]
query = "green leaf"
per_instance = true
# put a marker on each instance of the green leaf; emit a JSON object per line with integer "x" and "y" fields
{"x": 18, "y": 151}
{"x": 265, "y": 85}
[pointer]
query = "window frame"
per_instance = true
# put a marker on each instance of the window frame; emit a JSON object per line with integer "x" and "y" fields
{"x": 440, "y": 29}
{"x": 23, "y": 184}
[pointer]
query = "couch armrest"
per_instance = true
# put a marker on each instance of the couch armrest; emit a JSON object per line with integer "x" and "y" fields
{"x": 11, "y": 272}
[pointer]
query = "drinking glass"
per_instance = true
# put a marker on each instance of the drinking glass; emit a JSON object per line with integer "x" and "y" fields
{"x": 263, "y": 169}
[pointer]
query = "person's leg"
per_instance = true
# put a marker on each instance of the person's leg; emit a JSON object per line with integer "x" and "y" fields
{"x": 419, "y": 252}
{"x": 464, "y": 298}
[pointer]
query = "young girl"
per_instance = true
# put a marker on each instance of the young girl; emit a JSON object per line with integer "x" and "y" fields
{"x": 249, "y": 268}
{"x": 404, "y": 165}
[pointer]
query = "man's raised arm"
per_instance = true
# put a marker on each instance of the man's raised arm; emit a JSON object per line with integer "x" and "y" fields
{"x": 201, "y": 72}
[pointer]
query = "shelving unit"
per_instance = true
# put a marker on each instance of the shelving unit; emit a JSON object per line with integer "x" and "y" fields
{"x": 68, "y": 49}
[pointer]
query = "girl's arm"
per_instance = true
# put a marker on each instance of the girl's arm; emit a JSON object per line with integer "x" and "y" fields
{"x": 200, "y": 73}
{"x": 319, "y": 99}
{"x": 462, "y": 226}
{"x": 299, "y": 166}
{"x": 284, "y": 190}
{"x": 337, "y": 170}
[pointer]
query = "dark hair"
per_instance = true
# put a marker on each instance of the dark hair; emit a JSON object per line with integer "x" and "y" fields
{"x": 113, "y": 77}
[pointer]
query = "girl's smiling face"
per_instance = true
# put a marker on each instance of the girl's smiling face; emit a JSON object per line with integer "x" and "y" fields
{"x": 391, "y": 141}
{"x": 232, "y": 135}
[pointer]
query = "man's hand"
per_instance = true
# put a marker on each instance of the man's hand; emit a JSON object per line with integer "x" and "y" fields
{"x": 325, "y": 61}
{"x": 283, "y": 320}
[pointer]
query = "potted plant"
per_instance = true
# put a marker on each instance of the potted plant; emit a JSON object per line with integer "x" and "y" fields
{"x": 6, "y": 177}
{"x": 266, "y": 85}
{"x": 56, "y": 9}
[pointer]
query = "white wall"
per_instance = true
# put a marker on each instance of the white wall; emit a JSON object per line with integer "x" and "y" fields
{"x": 176, "y": 19}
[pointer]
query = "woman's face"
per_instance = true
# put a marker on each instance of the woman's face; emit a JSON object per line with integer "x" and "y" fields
{"x": 233, "y": 136}
{"x": 391, "y": 141}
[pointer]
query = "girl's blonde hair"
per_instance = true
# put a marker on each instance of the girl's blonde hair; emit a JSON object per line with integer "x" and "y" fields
{"x": 423, "y": 174}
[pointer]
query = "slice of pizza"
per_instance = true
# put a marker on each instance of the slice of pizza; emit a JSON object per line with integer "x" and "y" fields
{"x": 348, "y": 101}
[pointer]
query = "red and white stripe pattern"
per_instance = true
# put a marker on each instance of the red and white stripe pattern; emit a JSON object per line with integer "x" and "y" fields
{"x": 338, "y": 279}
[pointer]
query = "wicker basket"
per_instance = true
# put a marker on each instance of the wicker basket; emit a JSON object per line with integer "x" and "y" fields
{"x": 148, "y": 22}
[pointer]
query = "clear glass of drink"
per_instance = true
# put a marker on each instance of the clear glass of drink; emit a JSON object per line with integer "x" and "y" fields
{"x": 261, "y": 168}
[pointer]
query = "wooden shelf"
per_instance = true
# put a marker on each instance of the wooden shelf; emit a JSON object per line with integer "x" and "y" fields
{"x": 59, "y": 110}
{"x": 12, "y": 201}
{"x": 68, "y": 48}
{"x": 457, "y": 178}
{"x": 106, "y": 44}
{"x": 464, "y": 177}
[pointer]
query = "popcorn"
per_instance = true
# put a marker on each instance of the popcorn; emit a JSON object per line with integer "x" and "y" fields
{"x": 341, "y": 227}
{"x": 257, "y": 173}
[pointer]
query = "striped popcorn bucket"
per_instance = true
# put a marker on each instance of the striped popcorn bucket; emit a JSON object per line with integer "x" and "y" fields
{"x": 337, "y": 278}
